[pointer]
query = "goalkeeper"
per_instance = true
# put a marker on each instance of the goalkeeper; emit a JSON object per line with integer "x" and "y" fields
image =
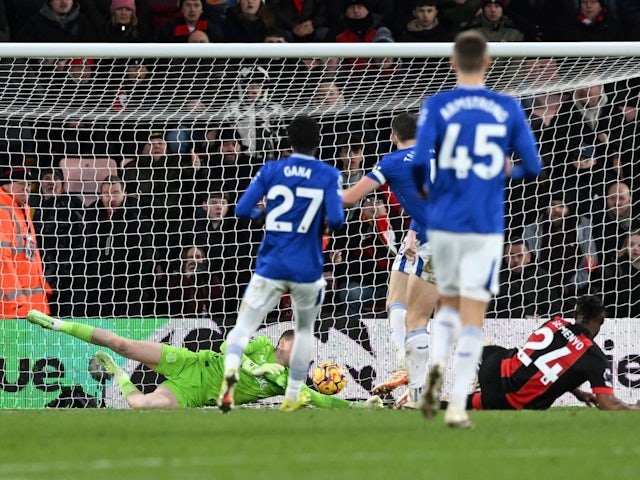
{"x": 194, "y": 379}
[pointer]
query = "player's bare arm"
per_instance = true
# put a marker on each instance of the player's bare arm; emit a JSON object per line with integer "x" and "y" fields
{"x": 354, "y": 194}
{"x": 611, "y": 402}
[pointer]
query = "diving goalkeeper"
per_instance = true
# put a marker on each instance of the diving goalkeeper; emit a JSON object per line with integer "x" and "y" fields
{"x": 193, "y": 379}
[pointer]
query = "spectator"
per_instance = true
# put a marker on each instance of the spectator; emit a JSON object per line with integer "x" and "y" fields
{"x": 120, "y": 257}
{"x": 594, "y": 120}
{"x": 548, "y": 115}
{"x": 583, "y": 178}
{"x": 301, "y": 20}
{"x": 154, "y": 176}
{"x": 593, "y": 22}
{"x": 194, "y": 290}
{"x": 360, "y": 26}
{"x": 193, "y": 18}
{"x": 232, "y": 167}
{"x": 254, "y": 116}
{"x": 494, "y": 24}
{"x": 22, "y": 282}
{"x": 228, "y": 243}
{"x": 248, "y": 22}
{"x": 622, "y": 280}
{"x": 123, "y": 26}
{"x": 563, "y": 245}
{"x": 525, "y": 287}
{"x": 59, "y": 224}
{"x": 137, "y": 88}
{"x": 350, "y": 159}
{"x": 426, "y": 26}
{"x": 612, "y": 223}
{"x": 368, "y": 247}
{"x": 58, "y": 21}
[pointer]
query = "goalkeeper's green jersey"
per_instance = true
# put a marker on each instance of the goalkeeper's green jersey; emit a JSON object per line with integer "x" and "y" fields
{"x": 196, "y": 378}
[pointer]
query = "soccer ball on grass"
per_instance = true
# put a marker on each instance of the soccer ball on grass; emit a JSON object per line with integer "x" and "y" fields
{"x": 329, "y": 378}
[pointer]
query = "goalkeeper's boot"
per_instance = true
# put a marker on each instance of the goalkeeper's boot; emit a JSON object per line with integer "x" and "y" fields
{"x": 304, "y": 398}
{"x": 38, "y": 318}
{"x": 108, "y": 364}
{"x": 429, "y": 402}
{"x": 396, "y": 380}
{"x": 456, "y": 418}
{"x": 225, "y": 401}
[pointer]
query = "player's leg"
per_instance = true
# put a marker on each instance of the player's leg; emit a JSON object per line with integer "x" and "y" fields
{"x": 306, "y": 299}
{"x": 143, "y": 352}
{"x": 445, "y": 249}
{"x": 402, "y": 268}
{"x": 396, "y": 310}
{"x": 478, "y": 280}
{"x": 261, "y": 296}
{"x": 161, "y": 397}
{"x": 423, "y": 297}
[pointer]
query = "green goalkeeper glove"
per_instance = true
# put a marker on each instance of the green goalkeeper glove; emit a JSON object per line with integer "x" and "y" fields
{"x": 256, "y": 370}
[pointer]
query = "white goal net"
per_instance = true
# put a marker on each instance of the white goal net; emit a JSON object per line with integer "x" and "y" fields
{"x": 142, "y": 151}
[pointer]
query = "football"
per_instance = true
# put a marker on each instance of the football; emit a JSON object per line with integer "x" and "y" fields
{"x": 329, "y": 378}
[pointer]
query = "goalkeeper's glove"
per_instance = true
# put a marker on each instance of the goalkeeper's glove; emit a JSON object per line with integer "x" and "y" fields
{"x": 256, "y": 370}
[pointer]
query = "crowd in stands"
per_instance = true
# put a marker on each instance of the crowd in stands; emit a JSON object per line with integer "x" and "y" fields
{"x": 316, "y": 20}
{"x": 159, "y": 236}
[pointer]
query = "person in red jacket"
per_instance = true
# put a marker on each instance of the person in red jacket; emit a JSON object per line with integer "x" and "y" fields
{"x": 360, "y": 26}
{"x": 22, "y": 283}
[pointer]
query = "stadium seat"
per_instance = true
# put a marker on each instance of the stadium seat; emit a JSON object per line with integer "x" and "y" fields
{"x": 83, "y": 175}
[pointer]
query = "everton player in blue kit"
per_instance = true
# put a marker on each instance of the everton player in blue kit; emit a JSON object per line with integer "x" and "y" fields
{"x": 412, "y": 292}
{"x": 557, "y": 358}
{"x": 303, "y": 197}
{"x": 469, "y": 130}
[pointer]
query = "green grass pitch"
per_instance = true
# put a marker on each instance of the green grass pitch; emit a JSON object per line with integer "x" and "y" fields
{"x": 562, "y": 443}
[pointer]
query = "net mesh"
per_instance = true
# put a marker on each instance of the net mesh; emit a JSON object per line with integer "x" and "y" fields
{"x": 187, "y": 135}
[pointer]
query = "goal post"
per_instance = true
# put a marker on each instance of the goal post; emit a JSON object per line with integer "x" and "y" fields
{"x": 176, "y": 132}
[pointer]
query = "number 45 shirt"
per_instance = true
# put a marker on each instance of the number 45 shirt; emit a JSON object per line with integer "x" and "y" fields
{"x": 303, "y": 196}
{"x": 470, "y": 131}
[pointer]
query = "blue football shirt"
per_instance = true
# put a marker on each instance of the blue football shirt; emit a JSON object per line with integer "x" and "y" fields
{"x": 395, "y": 169}
{"x": 301, "y": 194}
{"x": 470, "y": 131}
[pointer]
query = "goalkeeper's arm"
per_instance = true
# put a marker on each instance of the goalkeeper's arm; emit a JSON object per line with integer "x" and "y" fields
{"x": 330, "y": 401}
{"x": 252, "y": 367}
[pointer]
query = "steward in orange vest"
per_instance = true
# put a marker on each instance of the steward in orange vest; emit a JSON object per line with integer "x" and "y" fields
{"x": 22, "y": 283}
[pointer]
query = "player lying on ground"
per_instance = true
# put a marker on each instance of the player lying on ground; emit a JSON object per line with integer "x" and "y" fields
{"x": 194, "y": 379}
{"x": 556, "y": 359}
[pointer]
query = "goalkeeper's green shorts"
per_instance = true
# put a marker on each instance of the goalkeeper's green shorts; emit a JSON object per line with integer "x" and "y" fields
{"x": 189, "y": 375}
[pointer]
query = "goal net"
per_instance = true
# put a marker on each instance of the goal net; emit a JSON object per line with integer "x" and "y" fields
{"x": 141, "y": 153}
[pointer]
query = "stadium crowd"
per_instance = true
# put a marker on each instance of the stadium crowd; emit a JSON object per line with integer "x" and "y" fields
{"x": 159, "y": 236}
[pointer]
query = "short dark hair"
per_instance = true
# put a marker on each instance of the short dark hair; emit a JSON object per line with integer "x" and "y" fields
{"x": 404, "y": 126}
{"x": 111, "y": 180}
{"x": 425, "y": 3}
{"x": 470, "y": 51}
{"x": 304, "y": 134}
{"x": 589, "y": 308}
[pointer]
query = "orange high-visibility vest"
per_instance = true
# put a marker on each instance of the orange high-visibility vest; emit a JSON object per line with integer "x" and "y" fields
{"x": 22, "y": 283}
